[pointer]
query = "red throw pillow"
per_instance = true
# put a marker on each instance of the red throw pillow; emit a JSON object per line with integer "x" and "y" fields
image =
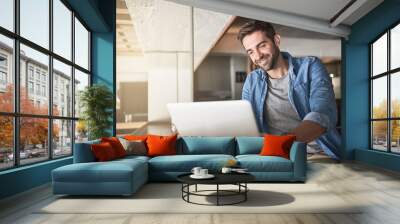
{"x": 103, "y": 151}
{"x": 277, "y": 145}
{"x": 161, "y": 145}
{"x": 116, "y": 145}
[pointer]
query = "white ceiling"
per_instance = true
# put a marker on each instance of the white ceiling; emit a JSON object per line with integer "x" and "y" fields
{"x": 312, "y": 15}
{"x": 319, "y": 9}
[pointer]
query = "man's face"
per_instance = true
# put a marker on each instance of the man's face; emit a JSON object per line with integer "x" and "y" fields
{"x": 262, "y": 50}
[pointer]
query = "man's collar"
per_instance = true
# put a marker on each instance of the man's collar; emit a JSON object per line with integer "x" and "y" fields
{"x": 289, "y": 58}
{"x": 286, "y": 56}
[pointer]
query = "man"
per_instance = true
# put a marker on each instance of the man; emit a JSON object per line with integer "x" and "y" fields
{"x": 288, "y": 94}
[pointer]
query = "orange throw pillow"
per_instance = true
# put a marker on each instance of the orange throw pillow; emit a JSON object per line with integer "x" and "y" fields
{"x": 161, "y": 145}
{"x": 136, "y": 137}
{"x": 116, "y": 145}
{"x": 277, "y": 145}
{"x": 103, "y": 152}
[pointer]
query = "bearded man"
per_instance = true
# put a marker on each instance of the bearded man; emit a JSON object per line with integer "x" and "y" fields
{"x": 289, "y": 95}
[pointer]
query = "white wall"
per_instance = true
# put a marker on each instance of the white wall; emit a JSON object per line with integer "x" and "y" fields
{"x": 162, "y": 84}
{"x": 165, "y": 34}
{"x": 185, "y": 78}
{"x": 131, "y": 69}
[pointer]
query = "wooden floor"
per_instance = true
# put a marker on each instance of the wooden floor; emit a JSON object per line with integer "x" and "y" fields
{"x": 378, "y": 189}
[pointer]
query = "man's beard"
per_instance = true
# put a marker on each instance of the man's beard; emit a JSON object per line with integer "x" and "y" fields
{"x": 270, "y": 64}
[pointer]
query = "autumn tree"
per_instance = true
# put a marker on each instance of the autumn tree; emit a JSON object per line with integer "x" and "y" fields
{"x": 33, "y": 131}
{"x": 380, "y": 127}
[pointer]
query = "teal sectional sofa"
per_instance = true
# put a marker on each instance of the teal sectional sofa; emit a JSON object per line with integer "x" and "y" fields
{"x": 125, "y": 176}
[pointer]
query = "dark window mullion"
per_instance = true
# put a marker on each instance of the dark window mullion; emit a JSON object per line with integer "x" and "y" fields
{"x": 89, "y": 55}
{"x": 384, "y": 119}
{"x": 389, "y": 106}
{"x": 16, "y": 84}
{"x": 371, "y": 99}
{"x": 84, "y": 70}
{"x": 50, "y": 81}
{"x": 73, "y": 82}
{"x": 386, "y": 73}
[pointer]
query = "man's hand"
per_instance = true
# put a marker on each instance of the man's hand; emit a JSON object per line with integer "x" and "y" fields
{"x": 308, "y": 131}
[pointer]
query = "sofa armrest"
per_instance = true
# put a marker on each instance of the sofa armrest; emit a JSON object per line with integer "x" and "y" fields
{"x": 83, "y": 152}
{"x": 298, "y": 155}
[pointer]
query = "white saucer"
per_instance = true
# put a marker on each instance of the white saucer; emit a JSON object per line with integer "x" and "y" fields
{"x": 208, "y": 176}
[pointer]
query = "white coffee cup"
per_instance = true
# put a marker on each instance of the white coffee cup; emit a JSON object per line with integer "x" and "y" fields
{"x": 196, "y": 170}
{"x": 226, "y": 170}
{"x": 203, "y": 172}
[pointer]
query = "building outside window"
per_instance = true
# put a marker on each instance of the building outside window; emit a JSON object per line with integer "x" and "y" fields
{"x": 3, "y": 72}
{"x": 38, "y": 89}
{"x": 44, "y": 77}
{"x": 37, "y": 74}
{"x": 30, "y": 72}
{"x": 3, "y": 61}
{"x": 43, "y": 90}
{"x": 3, "y": 78}
{"x": 30, "y": 87}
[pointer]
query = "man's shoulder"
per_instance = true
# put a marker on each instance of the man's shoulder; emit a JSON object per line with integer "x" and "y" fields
{"x": 255, "y": 74}
{"x": 306, "y": 60}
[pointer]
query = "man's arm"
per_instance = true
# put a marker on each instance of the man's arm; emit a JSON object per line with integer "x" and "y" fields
{"x": 246, "y": 89}
{"x": 322, "y": 116}
{"x": 308, "y": 131}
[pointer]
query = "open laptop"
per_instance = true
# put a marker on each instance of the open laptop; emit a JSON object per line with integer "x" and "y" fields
{"x": 214, "y": 118}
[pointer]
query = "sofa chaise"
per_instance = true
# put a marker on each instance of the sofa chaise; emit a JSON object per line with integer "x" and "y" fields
{"x": 125, "y": 176}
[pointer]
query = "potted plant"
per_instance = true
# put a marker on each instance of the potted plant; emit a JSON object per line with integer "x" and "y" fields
{"x": 96, "y": 103}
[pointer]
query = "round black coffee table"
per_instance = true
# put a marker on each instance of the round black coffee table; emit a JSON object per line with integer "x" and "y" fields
{"x": 238, "y": 179}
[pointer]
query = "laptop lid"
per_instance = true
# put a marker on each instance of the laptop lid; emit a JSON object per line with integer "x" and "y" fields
{"x": 213, "y": 118}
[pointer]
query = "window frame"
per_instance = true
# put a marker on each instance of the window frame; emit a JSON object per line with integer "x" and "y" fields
{"x": 16, "y": 114}
{"x": 388, "y": 74}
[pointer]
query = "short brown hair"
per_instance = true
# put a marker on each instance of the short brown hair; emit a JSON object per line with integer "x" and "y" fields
{"x": 256, "y": 25}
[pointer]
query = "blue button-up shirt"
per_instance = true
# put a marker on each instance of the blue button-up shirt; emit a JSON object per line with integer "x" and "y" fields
{"x": 310, "y": 93}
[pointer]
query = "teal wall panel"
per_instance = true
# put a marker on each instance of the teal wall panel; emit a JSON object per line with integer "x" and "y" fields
{"x": 90, "y": 12}
{"x": 356, "y": 102}
{"x": 356, "y": 84}
{"x": 104, "y": 54}
{"x": 377, "y": 158}
{"x": 24, "y": 178}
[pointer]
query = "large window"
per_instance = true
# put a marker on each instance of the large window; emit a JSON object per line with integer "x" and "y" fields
{"x": 385, "y": 94}
{"x": 44, "y": 63}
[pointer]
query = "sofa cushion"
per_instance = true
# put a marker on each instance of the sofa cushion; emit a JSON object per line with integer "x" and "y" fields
{"x": 206, "y": 145}
{"x": 83, "y": 152}
{"x": 161, "y": 145}
{"x": 116, "y": 145}
{"x": 103, "y": 152}
{"x": 249, "y": 145}
{"x": 277, "y": 145}
{"x": 132, "y": 158}
{"x": 257, "y": 163}
{"x": 136, "y": 137}
{"x": 134, "y": 147}
{"x": 112, "y": 171}
{"x": 185, "y": 163}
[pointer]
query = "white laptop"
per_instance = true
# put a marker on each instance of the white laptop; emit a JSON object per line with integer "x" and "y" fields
{"x": 214, "y": 118}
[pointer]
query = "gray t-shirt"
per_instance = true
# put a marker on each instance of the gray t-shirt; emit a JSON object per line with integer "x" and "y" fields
{"x": 279, "y": 114}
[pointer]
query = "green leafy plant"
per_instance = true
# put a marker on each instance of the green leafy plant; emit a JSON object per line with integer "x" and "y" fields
{"x": 97, "y": 105}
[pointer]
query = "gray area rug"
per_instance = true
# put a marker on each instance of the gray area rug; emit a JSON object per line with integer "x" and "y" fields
{"x": 166, "y": 198}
